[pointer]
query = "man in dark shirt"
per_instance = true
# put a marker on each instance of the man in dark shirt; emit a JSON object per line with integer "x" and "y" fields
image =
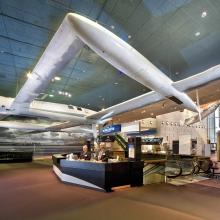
{"x": 86, "y": 154}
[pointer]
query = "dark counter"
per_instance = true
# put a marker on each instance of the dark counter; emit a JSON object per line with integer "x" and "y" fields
{"x": 15, "y": 156}
{"x": 99, "y": 175}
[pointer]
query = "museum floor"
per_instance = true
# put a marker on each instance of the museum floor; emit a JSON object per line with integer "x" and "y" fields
{"x": 32, "y": 191}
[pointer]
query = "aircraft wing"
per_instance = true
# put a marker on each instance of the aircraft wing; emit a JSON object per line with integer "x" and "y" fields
{"x": 152, "y": 104}
{"x": 208, "y": 92}
{"x": 21, "y": 125}
{"x": 198, "y": 80}
{"x": 129, "y": 105}
{"x": 61, "y": 49}
{"x": 63, "y": 125}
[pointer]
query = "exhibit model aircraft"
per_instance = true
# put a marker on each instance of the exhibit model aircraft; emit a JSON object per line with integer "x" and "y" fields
{"x": 74, "y": 32}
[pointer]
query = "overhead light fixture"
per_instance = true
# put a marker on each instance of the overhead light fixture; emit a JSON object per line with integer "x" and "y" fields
{"x": 204, "y": 14}
{"x": 64, "y": 93}
{"x": 29, "y": 74}
{"x": 57, "y": 78}
{"x": 197, "y": 34}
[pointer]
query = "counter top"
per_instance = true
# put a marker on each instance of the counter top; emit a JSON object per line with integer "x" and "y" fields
{"x": 155, "y": 161}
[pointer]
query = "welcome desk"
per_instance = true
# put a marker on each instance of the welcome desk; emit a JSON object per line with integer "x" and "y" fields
{"x": 98, "y": 175}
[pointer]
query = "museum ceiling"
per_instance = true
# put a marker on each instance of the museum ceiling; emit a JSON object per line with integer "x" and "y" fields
{"x": 180, "y": 37}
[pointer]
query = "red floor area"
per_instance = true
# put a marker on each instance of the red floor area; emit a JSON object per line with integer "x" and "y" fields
{"x": 32, "y": 191}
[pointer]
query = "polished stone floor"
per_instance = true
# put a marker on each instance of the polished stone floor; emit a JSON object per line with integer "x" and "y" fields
{"x": 31, "y": 191}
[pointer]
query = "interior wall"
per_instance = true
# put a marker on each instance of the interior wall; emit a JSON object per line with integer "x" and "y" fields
{"x": 171, "y": 126}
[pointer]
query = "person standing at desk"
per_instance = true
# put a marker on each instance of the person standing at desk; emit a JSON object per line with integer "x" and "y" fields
{"x": 86, "y": 154}
{"x": 103, "y": 154}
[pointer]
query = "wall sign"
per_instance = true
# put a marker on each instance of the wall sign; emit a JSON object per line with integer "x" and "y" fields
{"x": 130, "y": 127}
{"x": 111, "y": 129}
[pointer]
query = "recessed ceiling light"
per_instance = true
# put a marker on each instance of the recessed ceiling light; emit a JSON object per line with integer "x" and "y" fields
{"x": 29, "y": 74}
{"x": 197, "y": 34}
{"x": 69, "y": 95}
{"x": 204, "y": 14}
{"x": 116, "y": 83}
{"x": 51, "y": 95}
{"x": 112, "y": 27}
{"x": 57, "y": 78}
{"x": 129, "y": 36}
{"x": 177, "y": 73}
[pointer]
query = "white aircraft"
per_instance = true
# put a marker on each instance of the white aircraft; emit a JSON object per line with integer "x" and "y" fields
{"x": 74, "y": 32}
{"x": 204, "y": 113}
